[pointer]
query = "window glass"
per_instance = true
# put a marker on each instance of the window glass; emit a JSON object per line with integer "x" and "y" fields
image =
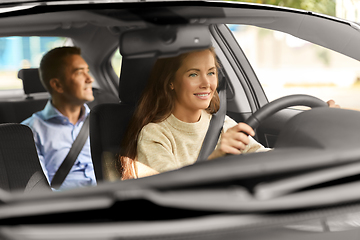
{"x": 288, "y": 65}
{"x": 23, "y": 52}
{"x": 116, "y": 62}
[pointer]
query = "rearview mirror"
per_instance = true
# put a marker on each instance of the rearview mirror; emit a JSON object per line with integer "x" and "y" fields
{"x": 164, "y": 41}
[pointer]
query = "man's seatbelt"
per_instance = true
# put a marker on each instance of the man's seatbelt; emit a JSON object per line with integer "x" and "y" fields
{"x": 216, "y": 124}
{"x": 71, "y": 157}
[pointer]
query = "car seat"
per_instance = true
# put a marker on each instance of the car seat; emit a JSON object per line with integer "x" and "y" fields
{"x": 17, "y": 110}
{"x": 108, "y": 122}
{"x": 20, "y": 168}
{"x": 31, "y": 81}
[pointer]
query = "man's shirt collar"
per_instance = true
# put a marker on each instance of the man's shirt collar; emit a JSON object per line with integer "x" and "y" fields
{"x": 50, "y": 112}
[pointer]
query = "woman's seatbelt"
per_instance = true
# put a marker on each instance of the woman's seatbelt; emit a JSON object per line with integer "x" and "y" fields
{"x": 216, "y": 124}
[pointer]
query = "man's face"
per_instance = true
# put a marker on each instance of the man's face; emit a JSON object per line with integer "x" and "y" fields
{"x": 77, "y": 82}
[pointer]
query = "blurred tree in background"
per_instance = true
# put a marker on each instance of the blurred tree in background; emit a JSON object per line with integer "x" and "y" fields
{"x": 319, "y": 6}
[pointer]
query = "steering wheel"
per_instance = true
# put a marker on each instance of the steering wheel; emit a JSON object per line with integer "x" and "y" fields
{"x": 254, "y": 120}
{"x": 288, "y": 101}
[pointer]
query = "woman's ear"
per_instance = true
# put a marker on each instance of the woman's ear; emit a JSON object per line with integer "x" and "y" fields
{"x": 56, "y": 85}
{"x": 171, "y": 86}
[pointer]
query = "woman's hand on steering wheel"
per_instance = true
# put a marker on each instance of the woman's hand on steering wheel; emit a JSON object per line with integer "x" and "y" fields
{"x": 332, "y": 104}
{"x": 234, "y": 140}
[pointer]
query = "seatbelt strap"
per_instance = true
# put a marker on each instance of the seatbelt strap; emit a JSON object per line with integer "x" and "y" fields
{"x": 71, "y": 157}
{"x": 215, "y": 126}
{"x": 37, "y": 181}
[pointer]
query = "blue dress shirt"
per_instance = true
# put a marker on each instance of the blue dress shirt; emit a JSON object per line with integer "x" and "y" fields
{"x": 54, "y": 135}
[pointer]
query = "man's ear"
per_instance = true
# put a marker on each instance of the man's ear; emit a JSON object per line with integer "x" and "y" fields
{"x": 56, "y": 85}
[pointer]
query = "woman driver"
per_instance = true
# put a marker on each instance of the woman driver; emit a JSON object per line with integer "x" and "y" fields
{"x": 174, "y": 112}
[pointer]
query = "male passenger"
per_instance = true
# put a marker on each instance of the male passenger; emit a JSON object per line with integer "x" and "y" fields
{"x": 65, "y": 75}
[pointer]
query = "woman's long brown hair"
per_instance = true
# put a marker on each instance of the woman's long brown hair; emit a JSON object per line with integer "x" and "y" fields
{"x": 155, "y": 105}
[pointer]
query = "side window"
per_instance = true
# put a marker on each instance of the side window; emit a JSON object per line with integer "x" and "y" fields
{"x": 23, "y": 52}
{"x": 288, "y": 65}
{"x": 116, "y": 62}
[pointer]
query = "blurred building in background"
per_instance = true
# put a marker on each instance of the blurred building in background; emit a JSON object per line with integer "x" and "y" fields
{"x": 19, "y": 52}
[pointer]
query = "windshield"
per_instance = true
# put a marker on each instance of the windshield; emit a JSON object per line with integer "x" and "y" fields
{"x": 258, "y": 54}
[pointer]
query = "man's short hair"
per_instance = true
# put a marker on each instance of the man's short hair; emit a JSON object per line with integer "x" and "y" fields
{"x": 53, "y": 64}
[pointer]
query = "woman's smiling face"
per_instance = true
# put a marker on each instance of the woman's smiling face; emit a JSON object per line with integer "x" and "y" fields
{"x": 194, "y": 85}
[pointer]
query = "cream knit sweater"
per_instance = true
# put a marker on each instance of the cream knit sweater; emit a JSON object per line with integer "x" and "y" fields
{"x": 172, "y": 144}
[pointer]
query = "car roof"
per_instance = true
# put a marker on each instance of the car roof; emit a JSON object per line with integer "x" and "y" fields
{"x": 330, "y": 32}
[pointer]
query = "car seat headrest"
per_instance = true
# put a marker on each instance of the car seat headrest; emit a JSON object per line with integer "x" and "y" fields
{"x": 31, "y": 81}
{"x": 133, "y": 78}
